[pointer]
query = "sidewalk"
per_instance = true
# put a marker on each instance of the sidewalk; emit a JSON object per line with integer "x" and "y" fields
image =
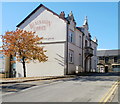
{"x": 27, "y": 79}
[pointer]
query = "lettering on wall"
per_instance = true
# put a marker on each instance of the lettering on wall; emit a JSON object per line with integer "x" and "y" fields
{"x": 40, "y": 25}
{"x": 50, "y": 38}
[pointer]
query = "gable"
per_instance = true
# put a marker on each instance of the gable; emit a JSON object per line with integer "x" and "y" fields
{"x": 37, "y": 10}
{"x": 45, "y": 24}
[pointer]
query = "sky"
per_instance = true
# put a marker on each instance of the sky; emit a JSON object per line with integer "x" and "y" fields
{"x": 102, "y": 17}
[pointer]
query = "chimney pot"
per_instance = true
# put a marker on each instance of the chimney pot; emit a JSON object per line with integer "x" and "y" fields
{"x": 62, "y": 14}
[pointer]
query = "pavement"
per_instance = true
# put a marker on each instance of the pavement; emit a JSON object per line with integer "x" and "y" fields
{"x": 27, "y": 79}
{"x": 88, "y": 88}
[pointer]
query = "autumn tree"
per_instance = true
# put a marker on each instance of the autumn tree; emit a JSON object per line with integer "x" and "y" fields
{"x": 23, "y": 45}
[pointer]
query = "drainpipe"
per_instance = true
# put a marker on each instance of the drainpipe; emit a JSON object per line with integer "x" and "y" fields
{"x": 10, "y": 68}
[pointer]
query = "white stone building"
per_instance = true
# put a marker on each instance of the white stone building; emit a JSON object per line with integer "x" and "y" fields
{"x": 69, "y": 48}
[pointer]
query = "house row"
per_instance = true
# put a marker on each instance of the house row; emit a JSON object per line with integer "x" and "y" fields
{"x": 108, "y": 60}
{"x": 70, "y": 49}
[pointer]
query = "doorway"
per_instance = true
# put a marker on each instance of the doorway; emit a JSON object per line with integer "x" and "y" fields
{"x": 106, "y": 69}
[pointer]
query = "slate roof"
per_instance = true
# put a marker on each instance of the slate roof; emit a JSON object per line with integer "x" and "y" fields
{"x": 108, "y": 52}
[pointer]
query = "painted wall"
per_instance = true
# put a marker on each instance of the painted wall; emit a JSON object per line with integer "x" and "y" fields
{"x": 76, "y": 66}
{"x": 52, "y": 29}
{"x": 46, "y": 25}
{"x": 53, "y": 67}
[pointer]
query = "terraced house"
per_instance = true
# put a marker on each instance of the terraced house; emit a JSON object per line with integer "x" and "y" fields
{"x": 70, "y": 49}
{"x": 108, "y": 60}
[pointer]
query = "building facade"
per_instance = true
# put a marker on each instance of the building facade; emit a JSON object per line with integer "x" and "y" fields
{"x": 108, "y": 60}
{"x": 2, "y": 63}
{"x": 70, "y": 49}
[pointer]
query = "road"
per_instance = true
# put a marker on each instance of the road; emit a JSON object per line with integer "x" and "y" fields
{"x": 116, "y": 96}
{"x": 80, "y": 89}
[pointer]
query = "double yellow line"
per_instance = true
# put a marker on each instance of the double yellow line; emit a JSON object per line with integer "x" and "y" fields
{"x": 107, "y": 96}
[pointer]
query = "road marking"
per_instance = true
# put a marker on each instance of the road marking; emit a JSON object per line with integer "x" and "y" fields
{"x": 107, "y": 96}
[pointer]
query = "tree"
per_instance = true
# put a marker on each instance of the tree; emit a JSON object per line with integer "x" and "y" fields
{"x": 23, "y": 45}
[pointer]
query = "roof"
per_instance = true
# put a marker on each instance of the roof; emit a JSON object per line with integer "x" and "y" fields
{"x": 94, "y": 42}
{"x": 41, "y": 5}
{"x": 79, "y": 28}
{"x": 108, "y": 52}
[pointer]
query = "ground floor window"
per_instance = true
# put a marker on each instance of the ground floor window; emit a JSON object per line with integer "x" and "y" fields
{"x": 80, "y": 60}
{"x": 71, "y": 56}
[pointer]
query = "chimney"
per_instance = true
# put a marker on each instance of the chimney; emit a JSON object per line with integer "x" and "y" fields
{"x": 62, "y": 14}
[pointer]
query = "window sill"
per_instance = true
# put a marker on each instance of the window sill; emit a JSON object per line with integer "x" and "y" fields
{"x": 71, "y": 63}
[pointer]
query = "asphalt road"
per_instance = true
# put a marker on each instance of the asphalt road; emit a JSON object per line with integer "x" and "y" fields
{"x": 80, "y": 89}
{"x": 116, "y": 96}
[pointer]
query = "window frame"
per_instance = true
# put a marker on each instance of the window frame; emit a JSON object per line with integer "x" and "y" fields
{"x": 115, "y": 59}
{"x": 80, "y": 41}
{"x": 71, "y": 56}
{"x": 71, "y": 37}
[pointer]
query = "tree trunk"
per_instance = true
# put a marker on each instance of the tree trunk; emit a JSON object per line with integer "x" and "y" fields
{"x": 24, "y": 68}
{"x": 10, "y": 69}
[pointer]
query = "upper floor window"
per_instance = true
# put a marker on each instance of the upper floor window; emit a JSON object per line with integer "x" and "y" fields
{"x": 86, "y": 43}
{"x": 101, "y": 58}
{"x": 80, "y": 41}
{"x": 94, "y": 50}
{"x": 71, "y": 37}
{"x": 106, "y": 59}
{"x": 116, "y": 59}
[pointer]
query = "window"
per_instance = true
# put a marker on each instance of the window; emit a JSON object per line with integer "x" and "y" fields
{"x": 80, "y": 60}
{"x": 101, "y": 58}
{"x": 71, "y": 37}
{"x": 71, "y": 56}
{"x": 94, "y": 64}
{"x": 94, "y": 50}
{"x": 106, "y": 59}
{"x": 116, "y": 66}
{"x": 80, "y": 41}
{"x": 86, "y": 43}
{"x": 116, "y": 59}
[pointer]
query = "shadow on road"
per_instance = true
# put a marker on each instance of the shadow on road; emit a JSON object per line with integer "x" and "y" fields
{"x": 16, "y": 87}
{"x": 111, "y": 76}
{"x": 85, "y": 78}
